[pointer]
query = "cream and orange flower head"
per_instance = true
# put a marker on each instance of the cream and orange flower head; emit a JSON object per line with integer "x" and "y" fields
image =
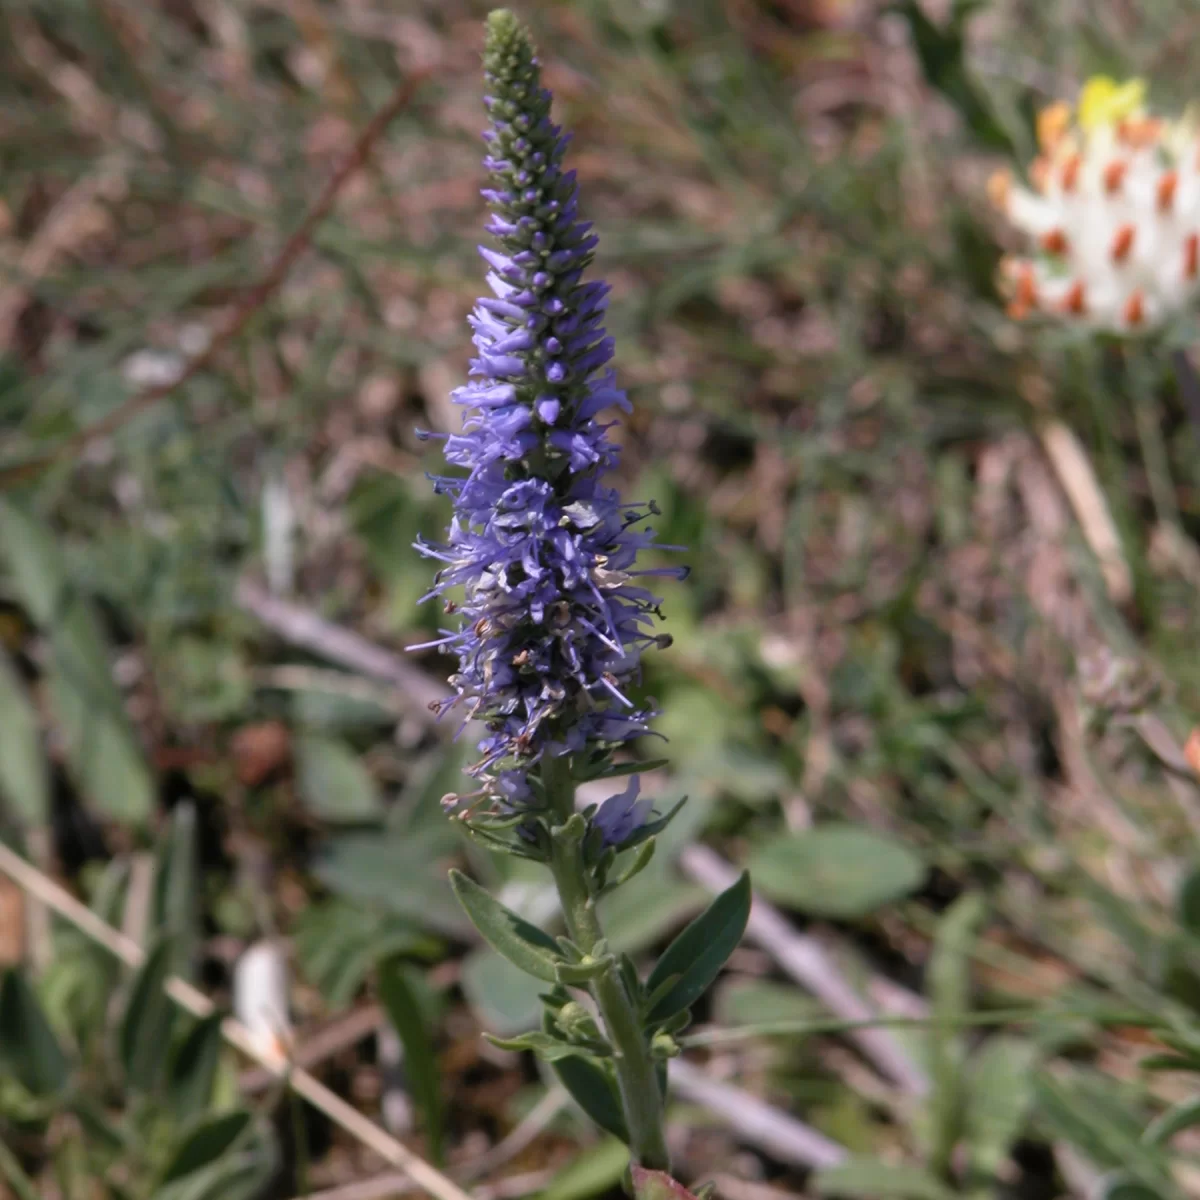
{"x": 1114, "y": 211}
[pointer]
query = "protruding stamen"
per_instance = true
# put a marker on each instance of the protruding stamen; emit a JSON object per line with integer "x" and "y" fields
{"x": 1024, "y": 289}
{"x": 1054, "y": 242}
{"x": 1191, "y": 256}
{"x": 1074, "y": 301}
{"x": 1052, "y": 122}
{"x": 1135, "y": 309}
{"x": 1167, "y": 185}
{"x": 1070, "y": 173}
{"x": 1122, "y": 243}
{"x": 999, "y": 186}
{"x": 1114, "y": 176}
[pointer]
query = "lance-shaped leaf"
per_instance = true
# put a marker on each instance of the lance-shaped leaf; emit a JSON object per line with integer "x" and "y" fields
{"x": 193, "y": 1070}
{"x": 523, "y": 944}
{"x": 592, "y": 1088}
{"x": 697, "y": 955}
{"x": 145, "y": 1030}
{"x": 24, "y": 778}
{"x": 28, "y": 1047}
{"x": 1175, "y": 1120}
{"x": 399, "y": 998}
{"x": 206, "y": 1141}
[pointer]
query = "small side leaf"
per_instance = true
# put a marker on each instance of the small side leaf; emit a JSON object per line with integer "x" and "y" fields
{"x": 523, "y": 944}
{"x": 399, "y": 998}
{"x": 700, "y": 951}
{"x": 592, "y": 1088}
{"x": 28, "y": 1047}
{"x": 145, "y": 1029}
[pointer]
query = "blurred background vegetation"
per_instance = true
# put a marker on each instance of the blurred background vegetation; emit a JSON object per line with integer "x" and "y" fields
{"x": 949, "y": 738}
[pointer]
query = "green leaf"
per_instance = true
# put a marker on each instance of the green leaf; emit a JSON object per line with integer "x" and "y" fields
{"x": 949, "y": 983}
{"x": 592, "y": 1088}
{"x": 751, "y": 1002}
{"x": 397, "y": 993}
{"x": 105, "y": 759}
{"x": 874, "y": 1179}
{"x": 998, "y": 1101}
{"x": 523, "y": 944}
{"x": 400, "y": 873}
{"x": 589, "y": 1173}
{"x": 700, "y": 951}
{"x": 333, "y": 782}
{"x": 207, "y": 1141}
{"x": 24, "y": 778}
{"x": 504, "y": 997}
{"x": 145, "y": 1029}
{"x": 839, "y": 871}
{"x": 28, "y": 1047}
{"x": 239, "y": 1174}
{"x": 176, "y": 890}
{"x": 1187, "y": 902}
{"x": 193, "y": 1069}
{"x": 545, "y": 1045}
{"x": 1175, "y": 1120}
{"x": 1123, "y": 1186}
{"x": 337, "y": 943}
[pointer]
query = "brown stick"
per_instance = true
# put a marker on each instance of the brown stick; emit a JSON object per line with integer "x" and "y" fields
{"x": 254, "y": 299}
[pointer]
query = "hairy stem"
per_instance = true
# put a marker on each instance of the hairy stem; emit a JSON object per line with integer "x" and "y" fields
{"x": 637, "y": 1080}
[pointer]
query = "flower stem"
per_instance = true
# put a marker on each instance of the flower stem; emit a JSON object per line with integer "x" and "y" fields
{"x": 637, "y": 1079}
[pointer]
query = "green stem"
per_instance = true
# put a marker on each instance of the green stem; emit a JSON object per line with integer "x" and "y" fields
{"x": 637, "y": 1079}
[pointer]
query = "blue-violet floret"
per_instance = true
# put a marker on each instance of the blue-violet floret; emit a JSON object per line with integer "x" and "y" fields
{"x": 554, "y": 615}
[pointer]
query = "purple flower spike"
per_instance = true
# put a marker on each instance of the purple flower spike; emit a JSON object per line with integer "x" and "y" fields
{"x": 552, "y": 619}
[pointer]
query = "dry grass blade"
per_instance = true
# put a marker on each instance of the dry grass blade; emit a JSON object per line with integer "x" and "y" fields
{"x": 193, "y": 1001}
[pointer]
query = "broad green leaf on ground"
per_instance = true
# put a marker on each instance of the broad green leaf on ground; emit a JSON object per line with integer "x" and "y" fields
{"x": 839, "y": 871}
{"x": 398, "y": 995}
{"x": 505, "y": 999}
{"x": 873, "y": 1179}
{"x": 999, "y": 1096}
{"x": 337, "y": 942}
{"x": 24, "y": 777}
{"x": 950, "y": 985}
{"x": 697, "y": 955}
{"x": 400, "y": 873}
{"x": 523, "y": 944}
{"x": 334, "y": 784}
{"x": 29, "y": 1048}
